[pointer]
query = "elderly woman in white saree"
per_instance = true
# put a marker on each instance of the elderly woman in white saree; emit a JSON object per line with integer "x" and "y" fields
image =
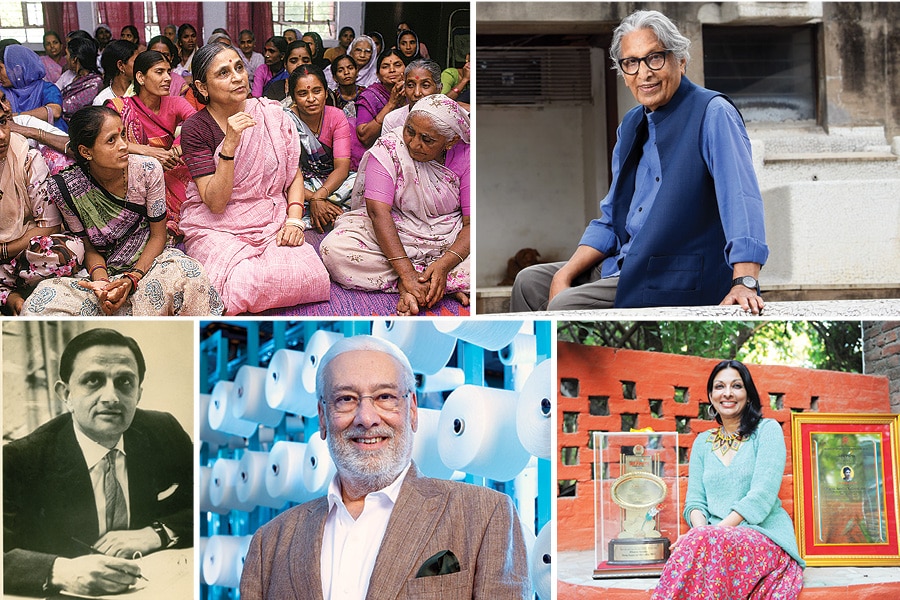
{"x": 408, "y": 230}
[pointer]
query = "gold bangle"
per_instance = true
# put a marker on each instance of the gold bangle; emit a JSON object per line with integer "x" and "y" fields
{"x": 456, "y": 254}
{"x": 397, "y": 258}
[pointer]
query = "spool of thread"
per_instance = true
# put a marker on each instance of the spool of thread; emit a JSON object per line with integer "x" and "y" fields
{"x": 318, "y": 467}
{"x": 284, "y": 472}
{"x": 222, "y": 558}
{"x": 248, "y": 396}
{"x": 477, "y": 433}
{"x": 284, "y": 384}
{"x": 243, "y": 549}
{"x": 201, "y": 550}
{"x": 448, "y": 378}
{"x": 427, "y": 349}
{"x": 319, "y": 343}
{"x": 490, "y": 335}
{"x": 533, "y": 411}
{"x": 223, "y": 486}
{"x": 541, "y": 558}
{"x": 206, "y": 504}
{"x": 214, "y": 438}
{"x": 521, "y": 350}
{"x": 425, "y": 445}
{"x": 221, "y": 417}
{"x": 251, "y": 481}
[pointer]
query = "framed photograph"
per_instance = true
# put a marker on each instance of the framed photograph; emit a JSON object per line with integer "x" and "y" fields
{"x": 845, "y": 488}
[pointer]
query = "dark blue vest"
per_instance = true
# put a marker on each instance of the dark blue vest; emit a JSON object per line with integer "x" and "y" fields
{"x": 678, "y": 257}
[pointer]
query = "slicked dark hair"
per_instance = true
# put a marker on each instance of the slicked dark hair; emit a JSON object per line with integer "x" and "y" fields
{"x": 98, "y": 337}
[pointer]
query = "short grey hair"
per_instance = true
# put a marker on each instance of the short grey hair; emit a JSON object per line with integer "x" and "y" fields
{"x": 426, "y": 64}
{"x": 370, "y": 343}
{"x": 664, "y": 29}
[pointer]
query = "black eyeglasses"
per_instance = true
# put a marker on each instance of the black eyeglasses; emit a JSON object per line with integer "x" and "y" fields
{"x": 654, "y": 61}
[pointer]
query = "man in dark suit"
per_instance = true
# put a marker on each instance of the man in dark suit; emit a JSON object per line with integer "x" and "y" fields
{"x": 89, "y": 489}
{"x": 384, "y": 530}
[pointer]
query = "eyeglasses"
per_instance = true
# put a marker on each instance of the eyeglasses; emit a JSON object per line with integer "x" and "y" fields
{"x": 654, "y": 61}
{"x": 348, "y": 402}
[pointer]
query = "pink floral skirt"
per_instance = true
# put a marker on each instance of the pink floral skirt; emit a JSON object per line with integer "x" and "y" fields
{"x": 729, "y": 563}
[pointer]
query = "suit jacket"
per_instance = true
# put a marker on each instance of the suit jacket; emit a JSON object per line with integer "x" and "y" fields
{"x": 48, "y": 498}
{"x": 478, "y": 525}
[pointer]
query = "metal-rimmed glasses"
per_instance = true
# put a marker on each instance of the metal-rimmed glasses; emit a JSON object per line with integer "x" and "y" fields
{"x": 654, "y": 61}
{"x": 385, "y": 401}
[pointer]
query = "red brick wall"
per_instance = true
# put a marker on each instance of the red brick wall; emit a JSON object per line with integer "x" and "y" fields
{"x": 881, "y": 344}
{"x": 601, "y": 371}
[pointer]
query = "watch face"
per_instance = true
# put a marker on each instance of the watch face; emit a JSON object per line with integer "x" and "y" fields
{"x": 749, "y": 281}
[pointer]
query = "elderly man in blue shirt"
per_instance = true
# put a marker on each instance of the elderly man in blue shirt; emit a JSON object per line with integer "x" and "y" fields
{"x": 682, "y": 223}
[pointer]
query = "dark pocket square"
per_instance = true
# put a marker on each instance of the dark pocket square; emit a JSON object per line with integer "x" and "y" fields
{"x": 442, "y": 563}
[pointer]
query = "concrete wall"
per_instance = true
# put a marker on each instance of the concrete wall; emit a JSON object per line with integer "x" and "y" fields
{"x": 881, "y": 348}
{"x": 601, "y": 371}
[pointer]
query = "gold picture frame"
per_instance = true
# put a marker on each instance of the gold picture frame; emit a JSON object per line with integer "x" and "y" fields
{"x": 846, "y": 488}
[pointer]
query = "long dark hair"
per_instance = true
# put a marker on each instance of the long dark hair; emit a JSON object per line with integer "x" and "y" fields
{"x": 752, "y": 414}
{"x": 84, "y": 127}
{"x": 114, "y": 52}
{"x": 144, "y": 62}
{"x": 85, "y": 51}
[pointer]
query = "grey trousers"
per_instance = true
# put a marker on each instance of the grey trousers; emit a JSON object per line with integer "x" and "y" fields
{"x": 532, "y": 288}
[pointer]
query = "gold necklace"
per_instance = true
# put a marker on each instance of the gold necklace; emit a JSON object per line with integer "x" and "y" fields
{"x": 723, "y": 443}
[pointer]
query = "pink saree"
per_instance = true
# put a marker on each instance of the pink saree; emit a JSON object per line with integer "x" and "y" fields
{"x": 237, "y": 247}
{"x": 143, "y": 126}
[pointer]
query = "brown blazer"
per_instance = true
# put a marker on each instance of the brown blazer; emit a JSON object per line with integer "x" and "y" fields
{"x": 478, "y": 525}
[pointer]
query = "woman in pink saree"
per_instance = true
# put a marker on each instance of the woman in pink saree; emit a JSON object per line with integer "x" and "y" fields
{"x": 408, "y": 230}
{"x": 151, "y": 118}
{"x": 242, "y": 217}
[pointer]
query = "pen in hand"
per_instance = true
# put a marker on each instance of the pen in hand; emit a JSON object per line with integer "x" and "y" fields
{"x": 95, "y": 551}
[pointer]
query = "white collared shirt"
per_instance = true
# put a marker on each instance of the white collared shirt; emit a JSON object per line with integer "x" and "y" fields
{"x": 95, "y": 458}
{"x": 350, "y": 547}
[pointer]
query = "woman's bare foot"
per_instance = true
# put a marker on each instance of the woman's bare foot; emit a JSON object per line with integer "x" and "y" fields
{"x": 407, "y": 305}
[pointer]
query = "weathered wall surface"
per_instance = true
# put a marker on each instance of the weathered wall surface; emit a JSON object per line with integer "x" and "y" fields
{"x": 881, "y": 345}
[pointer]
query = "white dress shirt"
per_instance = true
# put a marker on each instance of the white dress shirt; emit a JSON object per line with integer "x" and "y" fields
{"x": 95, "y": 458}
{"x": 350, "y": 547}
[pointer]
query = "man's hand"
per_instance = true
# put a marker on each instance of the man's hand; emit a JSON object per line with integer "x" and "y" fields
{"x": 94, "y": 574}
{"x": 124, "y": 544}
{"x": 746, "y": 298}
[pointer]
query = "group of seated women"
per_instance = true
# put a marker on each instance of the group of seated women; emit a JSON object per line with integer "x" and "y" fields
{"x": 237, "y": 186}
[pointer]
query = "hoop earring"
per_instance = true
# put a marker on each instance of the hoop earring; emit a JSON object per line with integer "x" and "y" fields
{"x": 712, "y": 412}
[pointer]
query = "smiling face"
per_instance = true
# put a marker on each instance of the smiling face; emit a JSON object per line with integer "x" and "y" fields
{"x": 653, "y": 89}
{"x": 729, "y": 395}
{"x": 370, "y": 446}
{"x": 407, "y": 44}
{"x": 346, "y": 72}
{"x": 103, "y": 392}
{"x": 246, "y": 44}
{"x": 298, "y": 56}
{"x": 422, "y": 140}
{"x": 420, "y": 83}
{"x": 390, "y": 70}
{"x": 226, "y": 79}
{"x": 52, "y": 46}
{"x": 362, "y": 53}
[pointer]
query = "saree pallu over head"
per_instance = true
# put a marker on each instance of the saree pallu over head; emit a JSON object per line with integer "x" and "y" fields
{"x": 446, "y": 111}
{"x": 118, "y": 229}
{"x": 26, "y": 73}
{"x": 265, "y": 163}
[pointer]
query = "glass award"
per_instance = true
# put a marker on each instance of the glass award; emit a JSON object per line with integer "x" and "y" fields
{"x": 638, "y": 502}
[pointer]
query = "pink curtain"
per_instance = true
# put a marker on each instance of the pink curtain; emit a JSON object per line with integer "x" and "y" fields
{"x": 177, "y": 13}
{"x": 61, "y": 17}
{"x": 119, "y": 14}
{"x": 255, "y": 16}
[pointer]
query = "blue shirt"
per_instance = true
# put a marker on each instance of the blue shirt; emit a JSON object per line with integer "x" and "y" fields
{"x": 726, "y": 151}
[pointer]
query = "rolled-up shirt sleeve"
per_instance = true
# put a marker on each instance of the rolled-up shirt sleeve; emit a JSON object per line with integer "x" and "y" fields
{"x": 726, "y": 151}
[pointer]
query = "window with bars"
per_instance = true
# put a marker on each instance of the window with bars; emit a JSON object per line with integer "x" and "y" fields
{"x": 22, "y": 21}
{"x": 320, "y": 17}
{"x": 533, "y": 75}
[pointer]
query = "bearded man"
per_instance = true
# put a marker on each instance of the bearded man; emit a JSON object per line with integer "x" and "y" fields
{"x": 384, "y": 530}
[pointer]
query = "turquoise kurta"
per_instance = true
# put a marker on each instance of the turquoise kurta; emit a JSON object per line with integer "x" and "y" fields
{"x": 749, "y": 485}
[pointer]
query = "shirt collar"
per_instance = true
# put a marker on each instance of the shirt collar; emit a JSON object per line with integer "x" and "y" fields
{"x": 92, "y": 451}
{"x": 389, "y": 493}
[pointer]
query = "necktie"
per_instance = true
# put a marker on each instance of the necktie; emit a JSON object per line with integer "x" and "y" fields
{"x": 116, "y": 510}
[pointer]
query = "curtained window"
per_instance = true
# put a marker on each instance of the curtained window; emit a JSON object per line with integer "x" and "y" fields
{"x": 22, "y": 21}
{"x": 255, "y": 16}
{"x": 177, "y": 13}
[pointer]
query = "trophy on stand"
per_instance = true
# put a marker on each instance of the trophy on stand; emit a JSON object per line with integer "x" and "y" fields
{"x": 638, "y": 502}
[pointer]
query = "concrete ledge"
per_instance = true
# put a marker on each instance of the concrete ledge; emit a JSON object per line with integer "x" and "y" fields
{"x": 819, "y": 583}
{"x": 843, "y": 157}
{"x": 856, "y": 309}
